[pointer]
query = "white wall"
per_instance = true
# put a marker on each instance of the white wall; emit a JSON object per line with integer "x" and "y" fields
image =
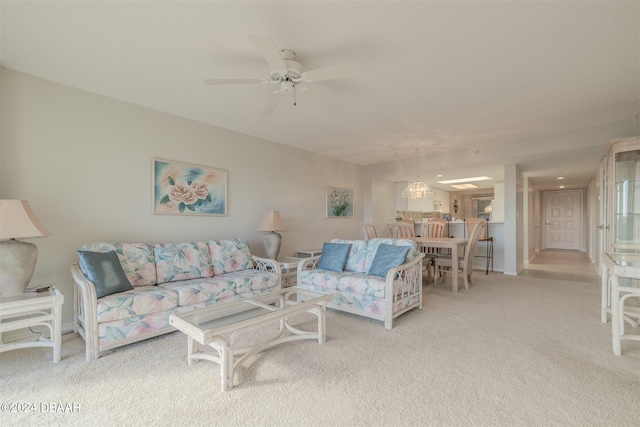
{"x": 497, "y": 210}
{"x": 530, "y": 224}
{"x": 513, "y": 223}
{"x": 83, "y": 162}
{"x": 383, "y": 211}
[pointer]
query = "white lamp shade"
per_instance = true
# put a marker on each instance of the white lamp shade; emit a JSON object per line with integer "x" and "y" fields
{"x": 17, "y": 221}
{"x": 271, "y": 221}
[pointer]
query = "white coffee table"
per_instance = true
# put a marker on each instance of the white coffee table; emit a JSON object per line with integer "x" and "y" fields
{"x": 25, "y": 311}
{"x": 220, "y": 326}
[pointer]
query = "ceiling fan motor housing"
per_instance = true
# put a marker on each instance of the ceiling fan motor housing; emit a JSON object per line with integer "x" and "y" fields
{"x": 294, "y": 69}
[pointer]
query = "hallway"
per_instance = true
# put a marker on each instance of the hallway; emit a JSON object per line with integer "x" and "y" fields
{"x": 562, "y": 265}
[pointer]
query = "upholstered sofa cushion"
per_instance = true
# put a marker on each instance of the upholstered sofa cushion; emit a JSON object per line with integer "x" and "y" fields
{"x": 357, "y": 255}
{"x": 346, "y": 281}
{"x": 362, "y": 284}
{"x": 136, "y": 302}
{"x": 196, "y": 291}
{"x": 210, "y": 289}
{"x": 136, "y": 259}
{"x": 181, "y": 261}
{"x": 252, "y": 280}
{"x": 229, "y": 255}
{"x": 320, "y": 279}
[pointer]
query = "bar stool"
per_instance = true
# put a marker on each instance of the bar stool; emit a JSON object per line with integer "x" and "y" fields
{"x": 484, "y": 238}
{"x": 489, "y": 256}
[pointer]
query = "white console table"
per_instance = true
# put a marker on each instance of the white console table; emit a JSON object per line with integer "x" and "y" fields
{"x": 615, "y": 292}
{"x": 289, "y": 266}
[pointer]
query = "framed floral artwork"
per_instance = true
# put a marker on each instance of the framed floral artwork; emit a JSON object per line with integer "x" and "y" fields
{"x": 339, "y": 202}
{"x": 186, "y": 189}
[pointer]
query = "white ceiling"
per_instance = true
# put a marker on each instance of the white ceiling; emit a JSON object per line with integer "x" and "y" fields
{"x": 443, "y": 75}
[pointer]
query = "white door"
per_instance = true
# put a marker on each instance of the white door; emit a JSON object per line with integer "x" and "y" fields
{"x": 563, "y": 219}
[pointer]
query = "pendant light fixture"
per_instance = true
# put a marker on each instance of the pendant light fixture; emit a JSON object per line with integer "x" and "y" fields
{"x": 417, "y": 189}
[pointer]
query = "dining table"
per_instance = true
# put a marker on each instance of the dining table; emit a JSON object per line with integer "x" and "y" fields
{"x": 456, "y": 245}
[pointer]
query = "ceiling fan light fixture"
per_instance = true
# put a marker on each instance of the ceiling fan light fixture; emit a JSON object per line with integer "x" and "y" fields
{"x": 287, "y": 86}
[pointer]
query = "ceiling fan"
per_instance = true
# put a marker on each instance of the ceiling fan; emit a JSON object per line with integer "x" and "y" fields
{"x": 288, "y": 74}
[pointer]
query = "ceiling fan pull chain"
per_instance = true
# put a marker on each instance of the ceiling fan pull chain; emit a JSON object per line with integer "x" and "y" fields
{"x": 294, "y": 95}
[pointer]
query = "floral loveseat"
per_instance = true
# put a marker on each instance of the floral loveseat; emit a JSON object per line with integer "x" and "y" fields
{"x": 357, "y": 291}
{"x": 165, "y": 278}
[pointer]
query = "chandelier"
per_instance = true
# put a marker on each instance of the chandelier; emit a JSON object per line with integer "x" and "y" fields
{"x": 417, "y": 189}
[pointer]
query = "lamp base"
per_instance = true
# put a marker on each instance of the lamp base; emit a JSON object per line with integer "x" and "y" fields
{"x": 272, "y": 241}
{"x": 17, "y": 263}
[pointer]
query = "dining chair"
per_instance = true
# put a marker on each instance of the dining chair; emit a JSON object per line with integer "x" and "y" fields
{"x": 406, "y": 230}
{"x": 370, "y": 231}
{"x": 431, "y": 229}
{"x": 465, "y": 264}
{"x": 471, "y": 223}
{"x": 402, "y": 230}
{"x": 440, "y": 221}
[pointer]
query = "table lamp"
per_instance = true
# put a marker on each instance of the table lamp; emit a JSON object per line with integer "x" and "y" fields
{"x": 17, "y": 259}
{"x": 271, "y": 222}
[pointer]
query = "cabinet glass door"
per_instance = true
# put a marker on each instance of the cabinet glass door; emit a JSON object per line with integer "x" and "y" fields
{"x": 626, "y": 202}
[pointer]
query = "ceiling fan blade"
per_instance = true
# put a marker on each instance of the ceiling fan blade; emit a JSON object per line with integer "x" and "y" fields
{"x": 268, "y": 49}
{"x": 344, "y": 71}
{"x": 321, "y": 99}
{"x": 233, "y": 81}
{"x": 273, "y": 102}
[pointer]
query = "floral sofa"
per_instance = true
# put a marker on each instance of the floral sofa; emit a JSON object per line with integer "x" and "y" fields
{"x": 165, "y": 278}
{"x": 357, "y": 291}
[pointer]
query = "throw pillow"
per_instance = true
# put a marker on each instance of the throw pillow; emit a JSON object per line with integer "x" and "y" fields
{"x": 334, "y": 256}
{"x": 387, "y": 257}
{"x": 105, "y": 271}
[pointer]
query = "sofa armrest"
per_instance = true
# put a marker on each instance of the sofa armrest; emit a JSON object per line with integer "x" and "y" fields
{"x": 266, "y": 264}
{"x": 310, "y": 263}
{"x": 403, "y": 286}
{"x": 398, "y": 271}
{"x": 85, "y": 311}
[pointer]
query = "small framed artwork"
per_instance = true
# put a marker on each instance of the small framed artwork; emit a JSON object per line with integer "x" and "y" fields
{"x": 187, "y": 189}
{"x": 339, "y": 202}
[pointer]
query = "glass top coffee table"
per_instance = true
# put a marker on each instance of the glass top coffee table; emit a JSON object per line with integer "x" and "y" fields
{"x": 220, "y": 326}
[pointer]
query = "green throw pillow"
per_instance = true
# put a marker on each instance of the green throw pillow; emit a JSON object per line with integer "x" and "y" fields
{"x": 105, "y": 271}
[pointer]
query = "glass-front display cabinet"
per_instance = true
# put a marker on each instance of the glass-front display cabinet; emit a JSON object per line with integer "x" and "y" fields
{"x": 623, "y": 196}
{"x": 621, "y": 261}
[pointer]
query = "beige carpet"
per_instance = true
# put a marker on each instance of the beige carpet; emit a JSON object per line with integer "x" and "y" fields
{"x": 512, "y": 351}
